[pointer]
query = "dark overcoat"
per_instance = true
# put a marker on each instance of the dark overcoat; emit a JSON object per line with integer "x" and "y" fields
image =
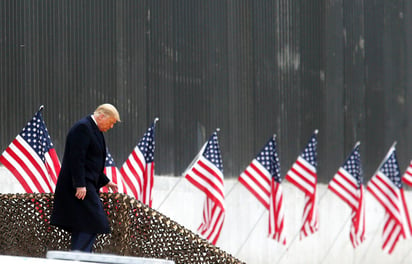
{"x": 82, "y": 166}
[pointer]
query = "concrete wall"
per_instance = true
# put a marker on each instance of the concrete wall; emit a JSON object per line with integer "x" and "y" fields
{"x": 244, "y": 233}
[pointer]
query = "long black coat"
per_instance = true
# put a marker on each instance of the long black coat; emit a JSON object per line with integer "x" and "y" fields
{"x": 82, "y": 166}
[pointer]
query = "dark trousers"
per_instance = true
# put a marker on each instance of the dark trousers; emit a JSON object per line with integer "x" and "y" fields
{"x": 82, "y": 241}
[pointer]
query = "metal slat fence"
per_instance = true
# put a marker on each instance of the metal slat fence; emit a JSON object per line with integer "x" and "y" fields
{"x": 250, "y": 67}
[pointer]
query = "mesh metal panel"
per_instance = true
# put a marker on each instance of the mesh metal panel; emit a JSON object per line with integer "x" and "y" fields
{"x": 137, "y": 230}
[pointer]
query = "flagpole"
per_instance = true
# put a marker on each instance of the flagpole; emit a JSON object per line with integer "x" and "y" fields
{"x": 250, "y": 233}
{"x": 336, "y": 238}
{"x": 231, "y": 189}
{"x": 168, "y": 194}
{"x": 41, "y": 107}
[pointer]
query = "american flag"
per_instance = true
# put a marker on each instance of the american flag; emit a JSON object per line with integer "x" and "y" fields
{"x": 257, "y": 176}
{"x": 348, "y": 185}
{"x": 303, "y": 175}
{"x": 138, "y": 169}
{"x": 386, "y": 187}
{"x": 112, "y": 172}
{"x": 407, "y": 176}
{"x": 31, "y": 158}
{"x": 262, "y": 179}
{"x": 206, "y": 173}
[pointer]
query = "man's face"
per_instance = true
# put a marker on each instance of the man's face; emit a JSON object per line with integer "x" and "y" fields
{"x": 106, "y": 122}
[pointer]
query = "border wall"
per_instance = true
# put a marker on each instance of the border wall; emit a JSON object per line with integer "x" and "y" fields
{"x": 250, "y": 67}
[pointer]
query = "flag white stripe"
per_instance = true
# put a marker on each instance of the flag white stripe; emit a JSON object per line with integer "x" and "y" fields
{"x": 206, "y": 177}
{"x": 212, "y": 218}
{"x": 373, "y": 186}
{"x": 148, "y": 181}
{"x": 276, "y": 209}
{"x": 338, "y": 189}
{"x": 40, "y": 175}
{"x": 206, "y": 185}
{"x": 134, "y": 163}
{"x": 407, "y": 176}
{"x": 388, "y": 187}
{"x": 21, "y": 171}
{"x": 257, "y": 174}
{"x": 219, "y": 223}
{"x": 134, "y": 177}
{"x": 304, "y": 170}
{"x": 213, "y": 222}
{"x": 254, "y": 175}
{"x": 256, "y": 188}
{"x": 347, "y": 180}
{"x": 406, "y": 223}
{"x": 215, "y": 179}
{"x": 37, "y": 174}
{"x": 391, "y": 233}
{"x": 300, "y": 181}
{"x": 134, "y": 186}
{"x": 53, "y": 170}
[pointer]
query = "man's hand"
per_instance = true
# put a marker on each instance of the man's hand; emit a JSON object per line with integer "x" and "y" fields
{"x": 112, "y": 186}
{"x": 81, "y": 193}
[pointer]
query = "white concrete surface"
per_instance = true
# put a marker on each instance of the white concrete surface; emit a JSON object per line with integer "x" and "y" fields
{"x": 244, "y": 233}
{"x": 27, "y": 260}
{"x": 103, "y": 258}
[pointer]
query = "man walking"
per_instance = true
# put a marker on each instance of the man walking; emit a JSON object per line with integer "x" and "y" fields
{"x": 77, "y": 206}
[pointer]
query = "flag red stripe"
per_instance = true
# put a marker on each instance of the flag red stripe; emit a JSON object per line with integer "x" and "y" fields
{"x": 276, "y": 217}
{"x": 207, "y": 178}
{"x": 348, "y": 181}
{"x": 136, "y": 190}
{"x": 25, "y": 168}
{"x": 309, "y": 225}
{"x": 303, "y": 166}
{"x": 35, "y": 164}
{"x": 217, "y": 225}
{"x": 128, "y": 180}
{"x": 204, "y": 188}
{"x": 148, "y": 184}
{"x": 298, "y": 184}
{"x": 388, "y": 199}
{"x": 56, "y": 165}
{"x": 261, "y": 174}
{"x": 389, "y": 237}
{"x": 407, "y": 176}
{"x": 255, "y": 193}
{"x": 139, "y": 162}
{"x": 408, "y": 220}
{"x": 259, "y": 185}
{"x": 211, "y": 172}
{"x": 346, "y": 190}
{"x": 16, "y": 174}
{"x": 217, "y": 229}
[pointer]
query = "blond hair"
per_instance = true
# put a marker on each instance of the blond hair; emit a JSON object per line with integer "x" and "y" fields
{"x": 107, "y": 110}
